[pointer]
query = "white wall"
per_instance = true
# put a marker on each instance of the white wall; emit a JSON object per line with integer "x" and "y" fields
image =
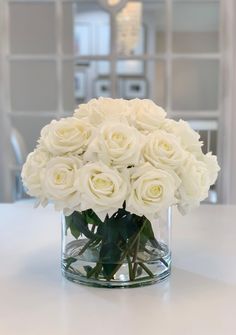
{"x": 6, "y": 193}
{"x": 227, "y": 131}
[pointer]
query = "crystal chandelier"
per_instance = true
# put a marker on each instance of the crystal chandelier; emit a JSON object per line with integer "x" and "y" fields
{"x": 112, "y": 6}
{"x": 129, "y": 21}
{"x": 113, "y": 2}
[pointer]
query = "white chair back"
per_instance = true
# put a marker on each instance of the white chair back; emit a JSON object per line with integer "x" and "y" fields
{"x": 19, "y": 154}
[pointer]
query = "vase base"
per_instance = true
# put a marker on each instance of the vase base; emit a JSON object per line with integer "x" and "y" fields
{"x": 117, "y": 282}
{"x": 151, "y": 265}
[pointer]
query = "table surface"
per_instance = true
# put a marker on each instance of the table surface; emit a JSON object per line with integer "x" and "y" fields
{"x": 199, "y": 297}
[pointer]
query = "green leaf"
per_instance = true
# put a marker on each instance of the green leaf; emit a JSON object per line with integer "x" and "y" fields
{"x": 68, "y": 220}
{"x": 69, "y": 261}
{"x": 110, "y": 255}
{"x": 147, "y": 234}
{"x": 87, "y": 268}
{"x": 128, "y": 226}
{"x": 120, "y": 213}
{"x": 101, "y": 230}
{"x": 110, "y": 252}
{"x": 111, "y": 231}
{"x": 91, "y": 217}
{"x": 80, "y": 225}
{"x": 70, "y": 224}
{"x": 147, "y": 230}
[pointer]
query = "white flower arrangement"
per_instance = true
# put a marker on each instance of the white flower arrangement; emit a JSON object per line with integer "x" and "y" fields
{"x": 114, "y": 151}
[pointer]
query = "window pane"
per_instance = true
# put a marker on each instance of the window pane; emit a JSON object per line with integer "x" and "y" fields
{"x": 207, "y": 130}
{"x": 33, "y": 85}
{"x": 29, "y": 127}
{"x": 91, "y": 30}
{"x": 140, "y": 29}
{"x": 155, "y": 21}
{"x": 91, "y": 79}
{"x": 211, "y": 137}
{"x": 195, "y": 84}
{"x": 148, "y": 82}
{"x": 195, "y": 27}
{"x": 139, "y": 79}
{"x": 27, "y": 33}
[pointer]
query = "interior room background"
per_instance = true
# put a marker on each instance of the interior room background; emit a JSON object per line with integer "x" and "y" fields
{"x": 56, "y": 54}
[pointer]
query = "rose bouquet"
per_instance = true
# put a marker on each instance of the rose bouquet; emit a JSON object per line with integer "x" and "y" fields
{"x": 114, "y": 168}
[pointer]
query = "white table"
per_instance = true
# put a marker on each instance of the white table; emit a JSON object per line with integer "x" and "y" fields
{"x": 199, "y": 298}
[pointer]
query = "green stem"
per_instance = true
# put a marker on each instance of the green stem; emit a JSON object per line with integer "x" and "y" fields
{"x": 95, "y": 270}
{"x": 164, "y": 262}
{"x": 156, "y": 244}
{"x": 160, "y": 259}
{"x": 135, "y": 257}
{"x": 93, "y": 228}
{"x": 85, "y": 247}
{"x": 96, "y": 274}
{"x": 126, "y": 252}
{"x": 130, "y": 268}
{"x": 147, "y": 251}
{"x": 146, "y": 269}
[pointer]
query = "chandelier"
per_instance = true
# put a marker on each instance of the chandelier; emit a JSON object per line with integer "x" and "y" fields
{"x": 129, "y": 22}
{"x": 113, "y": 2}
{"x": 128, "y": 16}
{"x": 112, "y": 6}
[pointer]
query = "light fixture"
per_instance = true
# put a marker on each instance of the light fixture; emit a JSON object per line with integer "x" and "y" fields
{"x": 128, "y": 16}
{"x": 129, "y": 22}
{"x": 113, "y": 6}
{"x": 113, "y": 2}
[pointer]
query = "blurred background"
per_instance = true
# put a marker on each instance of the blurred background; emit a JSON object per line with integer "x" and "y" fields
{"x": 56, "y": 54}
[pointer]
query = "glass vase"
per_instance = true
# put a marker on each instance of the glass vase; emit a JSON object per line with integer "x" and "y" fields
{"x": 124, "y": 250}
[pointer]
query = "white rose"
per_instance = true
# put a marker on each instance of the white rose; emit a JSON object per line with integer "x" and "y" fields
{"x": 212, "y": 166}
{"x": 152, "y": 190}
{"x": 196, "y": 181}
{"x": 190, "y": 139}
{"x": 163, "y": 150}
{"x": 148, "y": 116}
{"x": 103, "y": 189}
{"x": 59, "y": 182}
{"x": 99, "y": 110}
{"x": 66, "y": 135}
{"x": 82, "y": 112}
{"x": 33, "y": 172}
{"x": 116, "y": 144}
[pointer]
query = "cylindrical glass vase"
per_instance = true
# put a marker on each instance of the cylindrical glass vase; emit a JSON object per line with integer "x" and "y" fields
{"x": 124, "y": 250}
